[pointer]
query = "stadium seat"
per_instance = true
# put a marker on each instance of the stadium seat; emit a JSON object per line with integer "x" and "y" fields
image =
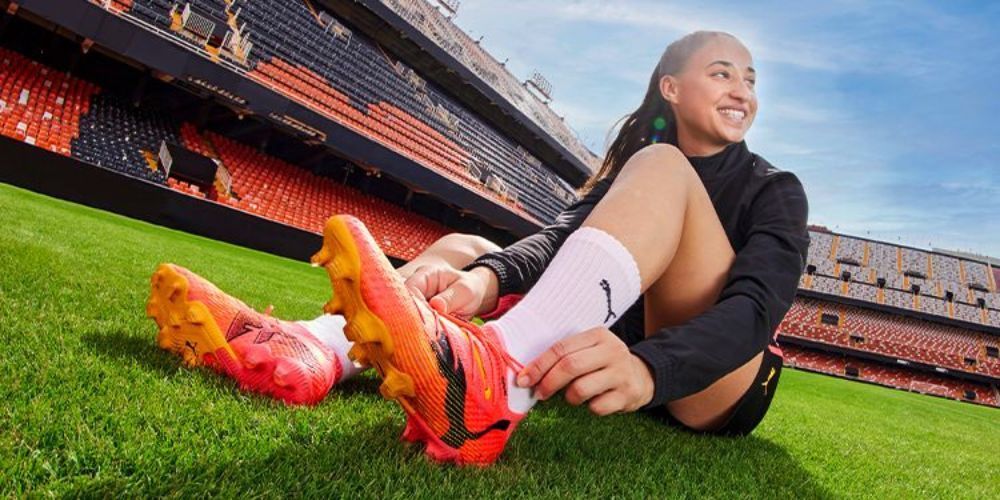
{"x": 308, "y": 57}
{"x": 283, "y": 192}
{"x": 888, "y": 375}
{"x": 887, "y": 334}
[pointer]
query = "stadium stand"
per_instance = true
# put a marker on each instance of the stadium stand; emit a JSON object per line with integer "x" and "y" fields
{"x": 851, "y": 250}
{"x": 116, "y": 135}
{"x": 39, "y": 105}
{"x": 73, "y": 117}
{"x": 316, "y": 60}
{"x": 890, "y": 376}
{"x": 902, "y": 277}
{"x": 269, "y": 186}
{"x": 433, "y": 23}
{"x": 892, "y": 335}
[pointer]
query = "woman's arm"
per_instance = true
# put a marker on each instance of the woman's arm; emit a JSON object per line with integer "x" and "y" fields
{"x": 759, "y": 290}
{"x": 519, "y": 266}
{"x": 476, "y": 288}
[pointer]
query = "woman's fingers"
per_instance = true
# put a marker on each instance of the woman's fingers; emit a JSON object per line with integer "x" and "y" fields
{"x": 571, "y": 369}
{"x": 418, "y": 281}
{"x": 607, "y": 403}
{"x": 458, "y": 298}
{"x": 536, "y": 370}
{"x": 431, "y": 280}
{"x": 589, "y": 386}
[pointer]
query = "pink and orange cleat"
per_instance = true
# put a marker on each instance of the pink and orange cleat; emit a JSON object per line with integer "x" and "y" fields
{"x": 449, "y": 376}
{"x": 205, "y": 326}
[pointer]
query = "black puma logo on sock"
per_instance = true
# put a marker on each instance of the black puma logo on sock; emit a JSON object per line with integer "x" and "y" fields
{"x": 607, "y": 293}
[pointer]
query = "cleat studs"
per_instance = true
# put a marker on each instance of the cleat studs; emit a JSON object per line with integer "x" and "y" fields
{"x": 321, "y": 258}
{"x": 359, "y": 354}
{"x": 362, "y": 332}
{"x": 334, "y": 306}
{"x": 396, "y": 384}
{"x": 164, "y": 341}
{"x": 190, "y": 360}
{"x": 193, "y": 316}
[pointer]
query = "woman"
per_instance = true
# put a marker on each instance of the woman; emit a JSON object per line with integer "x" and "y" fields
{"x": 681, "y": 215}
{"x": 719, "y": 237}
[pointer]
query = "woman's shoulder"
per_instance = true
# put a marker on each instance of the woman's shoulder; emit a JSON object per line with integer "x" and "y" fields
{"x": 766, "y": 174}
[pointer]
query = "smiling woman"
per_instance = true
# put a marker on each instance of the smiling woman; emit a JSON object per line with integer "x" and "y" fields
{"x": 660, "y": 289}
{"x": 681, "y": 215}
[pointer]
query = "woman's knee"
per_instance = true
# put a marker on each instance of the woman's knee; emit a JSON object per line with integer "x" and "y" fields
{"x": 657, "y": 162}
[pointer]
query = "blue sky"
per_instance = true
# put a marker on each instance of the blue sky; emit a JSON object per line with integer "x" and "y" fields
{"x": 887, "y": 110}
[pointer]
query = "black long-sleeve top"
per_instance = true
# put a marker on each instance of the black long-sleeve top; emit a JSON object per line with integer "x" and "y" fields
{"x": 763, "y": 211}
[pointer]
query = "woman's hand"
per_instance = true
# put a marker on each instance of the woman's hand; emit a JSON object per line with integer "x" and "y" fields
{"x": 596, "y": 368}
{"x": 453, "y": 291}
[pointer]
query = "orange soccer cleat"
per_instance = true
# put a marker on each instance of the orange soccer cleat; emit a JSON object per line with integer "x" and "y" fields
{"x": 449, "y": 376}
{"x": 203, "y": 325}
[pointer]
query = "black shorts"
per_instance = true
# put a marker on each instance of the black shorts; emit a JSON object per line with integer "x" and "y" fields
{"x": 751, "y": 408}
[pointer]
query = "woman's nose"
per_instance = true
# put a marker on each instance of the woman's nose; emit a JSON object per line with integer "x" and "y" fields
{"x": 741, "y": 90}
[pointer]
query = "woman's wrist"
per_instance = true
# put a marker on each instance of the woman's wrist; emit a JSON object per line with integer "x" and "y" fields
{"x": 491, "y": 288}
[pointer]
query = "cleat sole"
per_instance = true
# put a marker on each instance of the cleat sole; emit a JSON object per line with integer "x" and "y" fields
{"x": 186, "y": 328}
{"x": 373, "y": 344}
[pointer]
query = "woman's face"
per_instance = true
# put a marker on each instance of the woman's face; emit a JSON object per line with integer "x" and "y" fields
{"x": 713, "y": 97}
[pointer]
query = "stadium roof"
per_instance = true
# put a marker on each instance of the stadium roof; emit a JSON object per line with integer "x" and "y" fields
{"x": 426, "y": 56}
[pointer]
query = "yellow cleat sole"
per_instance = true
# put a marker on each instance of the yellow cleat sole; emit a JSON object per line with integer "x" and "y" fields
{"x": 373, "y": 345}
{"x": 187, "y": 328}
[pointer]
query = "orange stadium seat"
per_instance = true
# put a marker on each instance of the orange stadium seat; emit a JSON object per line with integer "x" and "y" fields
{"x": 890, "y": 376}
{"x": 73, "y": 117}
{"x": 39, "y": 105}
{"x": 891, "y": 335}
{"x": 288, "y": 194}
{"x": 351, "y": 80}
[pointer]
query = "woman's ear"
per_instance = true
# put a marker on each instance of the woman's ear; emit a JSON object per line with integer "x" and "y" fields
{"x": 668, "y": 88}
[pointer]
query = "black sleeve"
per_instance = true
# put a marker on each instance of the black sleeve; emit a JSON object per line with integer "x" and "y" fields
{"x": 519, "y": 266}
{"x": 759, "y": 289}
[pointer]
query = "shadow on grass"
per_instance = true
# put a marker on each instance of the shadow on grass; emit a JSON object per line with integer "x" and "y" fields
{"x": 130, "y": 349}
{"x": 563, "y": 455}
{"x": 558, "y": 450}
{"x": 363, "y": 383}
{"x": 123, "y": 347}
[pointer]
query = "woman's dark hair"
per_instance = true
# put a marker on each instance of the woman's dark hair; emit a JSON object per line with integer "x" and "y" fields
{"x": 654, "y": 120}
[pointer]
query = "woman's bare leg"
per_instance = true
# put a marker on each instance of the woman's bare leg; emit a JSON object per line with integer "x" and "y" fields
{"x": 456, "y": 250}
{"x": 659, "y": 210}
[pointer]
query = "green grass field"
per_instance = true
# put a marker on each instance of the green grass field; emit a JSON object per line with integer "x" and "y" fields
{"x": 91, "y": 407}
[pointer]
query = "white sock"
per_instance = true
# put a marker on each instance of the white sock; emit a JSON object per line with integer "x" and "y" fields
{"x": 329, "y": 329}
{"x": 591, "y": 282}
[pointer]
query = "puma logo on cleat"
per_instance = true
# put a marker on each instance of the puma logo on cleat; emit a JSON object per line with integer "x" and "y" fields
{"x": 192, "y": 346}
{"x": 607, "y": 293}
{"x": 244, "y": 324}
{"x": 454, "y": 398}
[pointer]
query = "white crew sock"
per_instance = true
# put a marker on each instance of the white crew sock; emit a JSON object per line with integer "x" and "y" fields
{"x": 591, "y": 282}
{"x": 329, "y": 329}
